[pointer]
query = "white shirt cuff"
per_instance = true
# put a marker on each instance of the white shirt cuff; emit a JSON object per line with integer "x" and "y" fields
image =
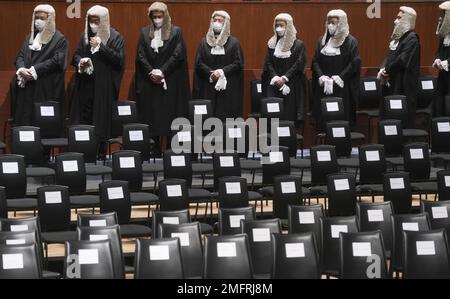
{"x": 33, "y": 73}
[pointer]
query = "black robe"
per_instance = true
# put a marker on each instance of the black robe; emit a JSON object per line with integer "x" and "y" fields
{"x": 158, "y": 107}
{"x": 226, "y": 103}
{"x": 50, "y": 64}
{"x": 293, "y": 68}
{"x": 92, "y": 96}
{"x": 443, "y": 83}
{"x": 347, "y": 66}
{"x": 403, "y": 67}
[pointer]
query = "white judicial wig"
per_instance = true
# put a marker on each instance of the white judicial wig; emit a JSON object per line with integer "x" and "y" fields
{"x": 407, "y": 22}
{"x": 218, "y": 43}
{"x": 444, "y": 29}
{"x": 284, "y": 44}
{"x": 342, "y": 31}
{"x": 166, "y": 28}
{"x": 104, "y": 31}
{"x": 50, "y": 27}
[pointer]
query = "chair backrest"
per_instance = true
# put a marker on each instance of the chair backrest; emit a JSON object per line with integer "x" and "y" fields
{"x": 417, "y": 160}
{"x": 233, "y": 192}
{"x": 111, "y": 233}
{"x": 123, "y": 112}
{"x": 230, "y": 219}
{"x": 295, "y": 256}
{"x": 323, "y": 163}
{"x": 286, "y": 134}
{"x": 256, "y": 95}
{"x": 49, "y": 118}
{"x": 54, "y": 208}
{"x": 425, "y": 255}
{"x": 390, "y": 134}
{"x": 191, "y": 245}
{"x": 400, "y": 223}
{"x": 19, "y": 262}
{"x": 158, "y": 259}
{"x": 82, "y": 139}
{"x": 227, "y": 257}
{"x": 443, "y": 181}
{"x": 173, "y": 195}
{"x": 395, "y": 107}
{"x": 397, "y": 189}
{"x": 177, "y": 166}
{"x": 97, "y": 220}
{"x": 358, "y": 251}
{"x": 370, "y": 94}
{"x": 94, "y": 259}
{"x": 303, "y": 219}
{"x": 275, "y": 162}
{"x": 26, "y": 141}
{"x": 127, "y": 166}
{"x": 184, "y": 137}
{"x": 168, "y": 217}
{"x": 71, "y": 172}
{"x": 237, "y": 137}
{"x": 3, "y": 203}
{"x": 200, "y": 108}
{"x": 337, "y": 133}
{"x": 13, "y": 175}
{"x": 115, "y": 197}
{"x": 372, "y": 163}
{"x": 438, "y": 212}
{"x": 224, "y": 165}
{"x": 136, "y": 137}
{"x": 341, "y": 194}
{"x": 259, "y": 233}
{"x": 287, "y": 190}
{"x": 331, "y": 108}
{"x": 427, "y": 91}
{"x": 374, "y": 216}
{"x": 272, "y": 107}
{"x": 440, "y": 134}
{"x": 332, "y": 227}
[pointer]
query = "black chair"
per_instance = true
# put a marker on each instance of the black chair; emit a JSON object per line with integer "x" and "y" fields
{"x": 370, "y": 97}
{"x": 425, "y": 255}
{"x": 341, "y": 194}
{"x": 111, "y": 233}
{"x": 401, "y": 223}
{"x": 200, "y": 108}
{"x": 272, "y": 107}
{"x": 19, "y": 262}
{"x": 169, "y": 217}
{"x": 233, "y": 192}
{"x": 287, "y": 136}
{"x": 372, "y": 166}
{"x": 417, "y": 162}
{"x": 158, "y": 259}
{"x": 376, "y": 216}
{"x": 48, "y": 116}
{"x": 259, "y": 233}
{"x": 136, "y": 137}
{"x": 338, "y": 134}
{"x": 227, "y": 257}
{"x": 443, "y": 182}
{"x": 123, "y": 112}
{"x": 256, "y": 96}
{"x": 440, "y": 139}
{"x": 3, "y": 203}
{"x": 173, "y": 194}
{"x": 97, "y": 220}
{"x": 230, "y": 219}
{"x": 191, "y": 245}
{"x": 288, "y": 190}
{"x": 303, "y": 219}
{"x": 438, "y": 212}
{"x": 332, "y": 227}
{"x": 397, "y": 189}
{"x": 323, "y": 163}
{"x": 295, "y": 256}
{"x": 71, "y": 172}
{"x": 89, "y": 260}
{"x": 426, "y": 95}
{"x": 360, "y": 250}
{"x": 331, "y": 109}
{"x": 390, "y": 134}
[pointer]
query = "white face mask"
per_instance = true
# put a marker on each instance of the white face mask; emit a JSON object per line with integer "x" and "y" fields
{"x": 39, "y": 24}
{"x": 332, "y": 28}
{"x": 280, "y": 31}
{"x": 94, "y": 28}
{"x": 158, "y": 22}
{"x": 217, "y": 27}
{"x": 396, "y": 22}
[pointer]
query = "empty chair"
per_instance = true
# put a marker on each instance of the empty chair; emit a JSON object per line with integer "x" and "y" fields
{"x": 275, "y": 162}
{"x": 417, "y": 162}
{"x": 19, "y": 262}
{"x": 96, "y": 220}
{"x": 123, "y": 112}
{"x": 230, "y": 219}
{"x": 227, "y": 257}
{"x": 191, "y": 245}
{"x": 48, "y": 117}
{"x": 225, "y": 165}
{"x": 173, "y": 195}
{"x": 287, "y": 136}
{"x": 295, "y": 256}
{"x": 136, "y": 137}
{"x": 370, "y": 96}
{"x": 397, "y": 189}
{"x": 256, "y": 96}
{"x": 331, "y": 109}
{"x": 88, "y": 260}
{"x": 375, "y": 216}
{"x": 233, "y": 192}
{"x": 438, "y": 212}
{"x": 169, "y": 217}
{"x": 259, "y": 233}
{"x": 287, "y": 191}
{"x": 401, "y": 223}
{"x": 358, "y": 252}
{"x": 272, "y": 107}
{"x": 323, "y": 163}
{"x": 397, "y": 107}
{"x": 200, "y": 108}
{"x": 390, "y": 134}
{"x": 440, "y": 138}
{"x": 341, "y": 194}
{"x": 425, "y": 255}
{"x": 443, "y": 182}
{"x": 331, "y": 228}
{"x": 3, "y": 203}
{"x": 304, "y": 219}
{"x": 338, "y": 134}
{"x": 372, "y": 166}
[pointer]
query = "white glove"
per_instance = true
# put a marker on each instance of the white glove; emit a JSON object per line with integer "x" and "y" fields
{"x": 96, "y": 49}
{"x": 33, "y": 73}
{"x": 160, "y": 74}
{"x": 20, "y": 80}
{"x": 437, "y": 64}
{"x": 285, "y": 90}
{"x": 328, "y": 86}
{"x": 381, "y": 73}
{"x": 323, "y": 79}
{"x": 338, "y": 81}
{"x": 444, "y": 65}
{"x": 89, "y": 69}
{"x": 274, "y": 79}
{"x": 221, "y": 82}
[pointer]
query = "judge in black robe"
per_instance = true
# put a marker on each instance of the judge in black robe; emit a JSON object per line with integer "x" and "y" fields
{"x": 162, "y": 77}
{"x": 399, "y": 73}
{"x": 219, "y": 65}
{"x": 40, "y": 65}
{"x": 99, "y": 62}
{"x": 284, "y": 67}
{"x": 337, "y": 65}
